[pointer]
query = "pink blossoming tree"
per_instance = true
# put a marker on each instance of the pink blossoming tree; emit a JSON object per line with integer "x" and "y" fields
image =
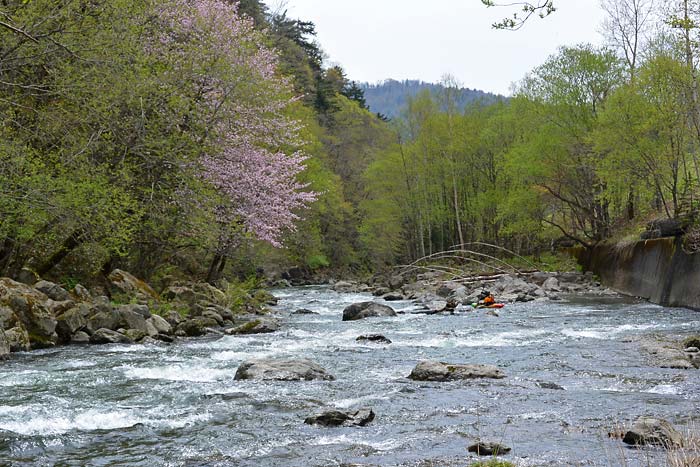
{"x": 238, "y": 103}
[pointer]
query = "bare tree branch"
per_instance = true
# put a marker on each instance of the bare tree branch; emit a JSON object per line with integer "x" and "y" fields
{"x": 542, "y": 8}
{"x": 17, "y": 30}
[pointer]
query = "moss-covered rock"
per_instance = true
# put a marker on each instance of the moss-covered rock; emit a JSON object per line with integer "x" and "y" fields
{"x": 131, "y": 286}
{"x": 4, "y": 344}
{"x": 31, "y": 309}
{"x": 256, "y": 326}
{"x": 196, "y": 326}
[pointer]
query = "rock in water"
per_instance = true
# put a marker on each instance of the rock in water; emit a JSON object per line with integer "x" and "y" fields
{"x": 439, "y": 371}
{"x": 70, "y": 322}
{"x": 359, "y": 417}
{"x": 374, "y": 338}
{"x": 304, "y": 311}
{"x": 547, "y": 385}
{"x": 366, "y": 310}
{"x": 32, "y": 309}
{"x": 649, "y": 430}
{"x": 160, "y": 324}
{"x": 282, "y": 370}
{"x": 80, "y": 338}
{"x": 488, "y": 449}
{"x": 107, "y": 336}
{"x": 256, "y": 326}
{"x": 393, "y": 297}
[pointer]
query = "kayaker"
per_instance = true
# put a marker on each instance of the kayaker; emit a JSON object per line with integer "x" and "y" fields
{"x": 486, "y": 299}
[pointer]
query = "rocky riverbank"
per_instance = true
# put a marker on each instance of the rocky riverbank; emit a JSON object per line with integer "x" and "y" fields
{"x": 432, "y": 291}
{"x": 42, "y": 314}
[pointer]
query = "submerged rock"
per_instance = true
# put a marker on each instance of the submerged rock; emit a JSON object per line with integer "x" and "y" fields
{"x": 304, "y": 311}
{"x": 359, "y": 417}
{"x": 439, "y": 371}
{"x": 366, "y": 310}
{"x": 546, "y": 385}
{"x": 378, "y": 338}
{"x": 282, "y": 370}
{"x": 482, "y": 448}
{"x": 649, "y": 430}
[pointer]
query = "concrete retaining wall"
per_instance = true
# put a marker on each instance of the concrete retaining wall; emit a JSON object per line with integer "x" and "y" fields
{"x": 657, "y": 270}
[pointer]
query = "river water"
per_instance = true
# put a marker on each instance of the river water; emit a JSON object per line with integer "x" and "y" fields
{"x": 179, "y": 405}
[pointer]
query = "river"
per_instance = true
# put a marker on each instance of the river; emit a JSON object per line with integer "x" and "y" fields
{"x": 179, "y": 405}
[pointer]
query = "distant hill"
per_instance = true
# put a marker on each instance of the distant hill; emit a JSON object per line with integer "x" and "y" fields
{"x": 390, "y": 97}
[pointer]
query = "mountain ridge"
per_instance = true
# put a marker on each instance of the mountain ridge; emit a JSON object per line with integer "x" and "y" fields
{"x": 390, "y": 96}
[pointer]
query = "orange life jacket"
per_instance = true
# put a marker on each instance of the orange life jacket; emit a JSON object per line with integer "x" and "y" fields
{"x": 489, "y": 300}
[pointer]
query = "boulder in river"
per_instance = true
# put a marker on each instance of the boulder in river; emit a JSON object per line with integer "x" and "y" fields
{"x": 196, "y": 326}
{"x": 345, "y": 287}
{"x": 33, "y": 309}
{"x": 359, "y": 417}
{"x": 378, "y": 338}
{"x": 99, "y": 318}
{"x": 440, "y": 371}
{"x": 366, "y": 310}
{"x": 70, "y": 322}
{"x": 80, "y": 338}
{"x": 256, "y": 326}
{"x": 649, "y": 430}
{"x": 282, "y": 370}
{"x": 134, "y": 320}
{"x": 107, "y": 336}
{"x": 160, "y": 324}
{"x": 482, "y": 448}
{"x": 393, "y": 297}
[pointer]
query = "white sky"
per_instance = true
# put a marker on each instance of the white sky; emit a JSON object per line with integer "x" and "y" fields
{"x": 423, "y": 39}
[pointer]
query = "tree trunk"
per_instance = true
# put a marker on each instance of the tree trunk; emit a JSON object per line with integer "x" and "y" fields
{"x": 71, "y": 243}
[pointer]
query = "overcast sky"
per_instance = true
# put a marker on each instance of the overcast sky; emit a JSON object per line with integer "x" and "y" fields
{"x": 417, "y": 39}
